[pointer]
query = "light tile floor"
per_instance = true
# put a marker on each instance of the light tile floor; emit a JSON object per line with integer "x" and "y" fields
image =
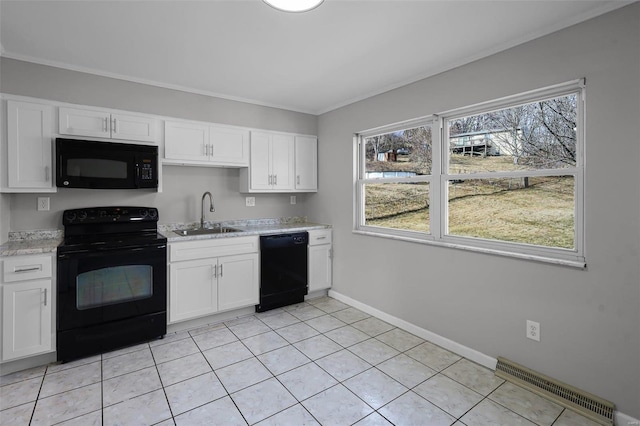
{"x": 318, "y": 362}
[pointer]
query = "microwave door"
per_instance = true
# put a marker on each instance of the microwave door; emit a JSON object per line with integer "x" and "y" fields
{"x": 104, "y": 171}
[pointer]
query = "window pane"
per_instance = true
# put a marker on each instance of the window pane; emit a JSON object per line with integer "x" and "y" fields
{"x": 403, "y": 153}
{"x": 398, "y": 206}
{"x": 535, "y": 210}
{"x": 538, "y": 135}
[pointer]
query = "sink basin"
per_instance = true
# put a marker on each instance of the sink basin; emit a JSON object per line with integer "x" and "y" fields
{"x": 206, "y": 231}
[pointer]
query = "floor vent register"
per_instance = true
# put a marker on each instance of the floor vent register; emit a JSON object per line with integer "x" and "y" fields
{"x": 584, "y": 403}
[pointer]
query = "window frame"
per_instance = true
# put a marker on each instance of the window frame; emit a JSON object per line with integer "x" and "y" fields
{"x": 361, "y": 181}
{"x": 439, "y": 178}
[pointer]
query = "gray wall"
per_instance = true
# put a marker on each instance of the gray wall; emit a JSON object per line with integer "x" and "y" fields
{"x": 590, "y": 319}
{"x": 182, "y": 186}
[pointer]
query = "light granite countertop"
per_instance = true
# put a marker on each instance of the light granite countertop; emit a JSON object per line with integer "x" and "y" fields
{"x": 31, "y": 242}
{"x": 247, "y": 228}
{"x": 47, "y": 241}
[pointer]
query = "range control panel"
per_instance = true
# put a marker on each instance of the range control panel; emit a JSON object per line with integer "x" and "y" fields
{"x": 98, "y": 215}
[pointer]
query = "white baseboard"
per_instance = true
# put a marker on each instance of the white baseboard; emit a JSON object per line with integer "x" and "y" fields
{"x": 470, "y": 354}
{"x": 9, "y": 367}
{"x": 621, "y": 419}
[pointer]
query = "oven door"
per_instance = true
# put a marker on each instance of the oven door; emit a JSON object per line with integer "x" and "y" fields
{"x": 100, "y": 286}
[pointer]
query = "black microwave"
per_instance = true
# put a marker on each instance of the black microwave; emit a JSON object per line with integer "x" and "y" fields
{"x": 105, "y": 165}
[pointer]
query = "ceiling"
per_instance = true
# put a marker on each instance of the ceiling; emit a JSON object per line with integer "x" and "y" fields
{"x": 313, "y": 62}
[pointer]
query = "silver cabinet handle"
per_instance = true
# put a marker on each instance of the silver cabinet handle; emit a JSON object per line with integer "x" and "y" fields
{"x": 298, "y": 179}
{"x": 214, "y": 269}
{"x": 46, "y": 173}
{"x": 113, "y": 125}
{"x": 211, "y": 150}
{"x": 330, "y": 253}
{"x": 45, "y": 297}
{"x": 270, "y": 179}
{"x": 324, "y": 237}
{"x": 105, "y": 126}
{"x": 33, "y": 268}
{"x": 221, "y": 265}
{"x": 275, "y": 179}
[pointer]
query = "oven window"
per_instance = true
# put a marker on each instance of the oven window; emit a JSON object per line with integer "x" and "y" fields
{"x": 108, "y": 286}
{"x": 96, "y": 168}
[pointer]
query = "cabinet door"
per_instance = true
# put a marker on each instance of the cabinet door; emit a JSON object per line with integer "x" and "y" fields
{"x": 238, "y": 281}
{"x": 26, "y": 319}
{"x": 260, "y": 159}
{"x": 84, "y": 122}
{"x": 186, "y": 141}
{"x": 306, "y": 163}
{"x": 192, "y": 289}
{"x": 282, "y": 159}
{"x": 229, "y": 146}
{"x": 133, "y": 127}
{"x": 319, "y": 267}
{"x": 29, "y": 145}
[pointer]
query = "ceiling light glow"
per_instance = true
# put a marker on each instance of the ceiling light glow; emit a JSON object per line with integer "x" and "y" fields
{"x": 294, "y": 5}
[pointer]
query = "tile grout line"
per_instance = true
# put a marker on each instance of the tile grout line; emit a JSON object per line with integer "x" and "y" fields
{"x": 438, "y": 372}
{"x": 166, "y": 397}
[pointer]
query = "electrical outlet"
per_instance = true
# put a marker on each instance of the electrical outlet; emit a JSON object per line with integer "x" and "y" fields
{"x": 293, "y": 199}
{"x": 533, "y": 330}
{"x": 43, "y": 204}
{"x": 250, "y": 201}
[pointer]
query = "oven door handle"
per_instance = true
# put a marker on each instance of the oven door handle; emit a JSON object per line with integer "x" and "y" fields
{"x": 99, "y": 251}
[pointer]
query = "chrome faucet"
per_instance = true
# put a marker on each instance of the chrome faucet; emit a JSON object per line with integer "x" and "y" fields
{"x": 211, "y": 208}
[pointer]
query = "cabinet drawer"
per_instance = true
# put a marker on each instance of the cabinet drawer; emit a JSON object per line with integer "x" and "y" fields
{"x": 202, "y": 249}
{"x": 22, "y": 268}
{"x": 319, "y": 236}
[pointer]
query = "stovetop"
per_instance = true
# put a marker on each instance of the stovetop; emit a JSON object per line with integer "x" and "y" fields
{"x": 110, "y": 227}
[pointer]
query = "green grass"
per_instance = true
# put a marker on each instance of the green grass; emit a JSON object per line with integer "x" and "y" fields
{"x": 498, "y": 209}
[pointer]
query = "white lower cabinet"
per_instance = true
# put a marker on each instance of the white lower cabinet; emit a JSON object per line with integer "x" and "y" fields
{"x": 27, "y": 300}
{"x": 209, "y": 276}
{"x": 319, "y": 258}
{"x": 238, "y": 281}
{"x": 193, "y": 290}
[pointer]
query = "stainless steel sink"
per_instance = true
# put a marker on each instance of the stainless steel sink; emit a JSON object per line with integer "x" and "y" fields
{"x": 206, "y": 231}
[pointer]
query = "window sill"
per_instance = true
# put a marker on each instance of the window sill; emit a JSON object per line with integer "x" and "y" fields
{"x": 578, "y": 264}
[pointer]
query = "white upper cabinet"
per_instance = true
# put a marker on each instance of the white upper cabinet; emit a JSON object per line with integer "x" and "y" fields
{"x": 185, "y": 141}
{"x": 103, "y": 124}
{"x": 281, "y": 162}
{"x": 229, "y": 146}
{"x": 204, "y": 145}
{"x": 271, "y": 168}
{"x": 29, "y": 148}
{"x": 133, "y": 127}
{"x": 306, "y": 163}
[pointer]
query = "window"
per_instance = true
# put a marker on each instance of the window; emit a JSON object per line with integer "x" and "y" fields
{"x": 505, "y": 177}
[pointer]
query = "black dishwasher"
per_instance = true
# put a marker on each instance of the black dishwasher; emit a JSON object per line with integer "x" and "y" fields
{"x": 283, "y": 270}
